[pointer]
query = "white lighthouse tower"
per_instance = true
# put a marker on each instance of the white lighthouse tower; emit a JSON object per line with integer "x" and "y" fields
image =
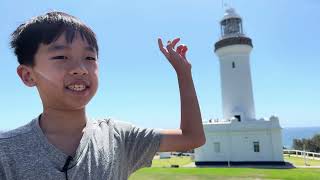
{"x": 233, "y": 50}
{"x": 238, "y": 138}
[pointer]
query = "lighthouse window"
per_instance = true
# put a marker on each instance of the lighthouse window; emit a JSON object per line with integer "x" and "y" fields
{"x": 233, "y": 64}
{"x": 256, "y": 146}
{"x": 216, "y": 147}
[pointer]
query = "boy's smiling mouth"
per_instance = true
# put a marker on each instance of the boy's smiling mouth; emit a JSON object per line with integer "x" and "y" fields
{"x": 78, "y": 86}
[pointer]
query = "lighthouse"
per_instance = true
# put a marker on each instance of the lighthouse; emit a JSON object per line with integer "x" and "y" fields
{"x": 239, "y": 138}
{"x": 233, "y": 50}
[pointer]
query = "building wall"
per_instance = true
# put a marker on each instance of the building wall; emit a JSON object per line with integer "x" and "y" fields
{"x": 277, "y": 144}
{"x": 238, "y": 146}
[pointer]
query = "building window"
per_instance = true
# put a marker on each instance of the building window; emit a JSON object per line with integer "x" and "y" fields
{"x": 256, "y": 146}
{"x": 238, "y": 117}
{"x": 233, "y": 64}
{"x": 216, "y": 147}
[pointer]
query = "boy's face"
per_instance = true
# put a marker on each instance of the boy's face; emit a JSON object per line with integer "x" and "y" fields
{"x": 66, "y": 75}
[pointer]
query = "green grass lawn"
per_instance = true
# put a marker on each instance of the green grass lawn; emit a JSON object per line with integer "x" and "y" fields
{"x": 224, "y": 174}
{"x": 171, "y": 161}
{"x": 161, "y": 170}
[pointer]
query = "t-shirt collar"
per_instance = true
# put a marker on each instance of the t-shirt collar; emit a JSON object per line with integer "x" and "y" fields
{"x": 56, "y": 155}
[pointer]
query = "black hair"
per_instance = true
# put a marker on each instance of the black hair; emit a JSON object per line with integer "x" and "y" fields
{"x": 46, "y": 29}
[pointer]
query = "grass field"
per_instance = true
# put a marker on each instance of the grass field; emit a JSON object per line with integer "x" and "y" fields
{"x": 161, "y": 170}
{"x": 181, "y": 161}
{"x": 224, "y": 174}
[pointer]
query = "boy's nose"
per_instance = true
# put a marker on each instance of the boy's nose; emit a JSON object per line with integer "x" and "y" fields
{"x": 79, "y": 69}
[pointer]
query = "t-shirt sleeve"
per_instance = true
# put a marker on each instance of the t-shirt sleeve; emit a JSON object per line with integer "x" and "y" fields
{"x": 141, "y": 144}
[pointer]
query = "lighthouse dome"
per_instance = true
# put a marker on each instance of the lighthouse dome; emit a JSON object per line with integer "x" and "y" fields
{"x": 230, "y": 13}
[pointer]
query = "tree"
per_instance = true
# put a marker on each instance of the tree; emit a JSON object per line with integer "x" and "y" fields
{"x": 316, "y": 141}
{"x": 312, "y": 144}
{"x": 297, "y": 144}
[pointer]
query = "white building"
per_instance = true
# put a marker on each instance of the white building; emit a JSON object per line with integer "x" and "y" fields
{"x": 238, "y": 138}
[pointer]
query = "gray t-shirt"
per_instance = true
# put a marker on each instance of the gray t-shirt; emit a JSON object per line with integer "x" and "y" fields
{"x": 108, "y": 150}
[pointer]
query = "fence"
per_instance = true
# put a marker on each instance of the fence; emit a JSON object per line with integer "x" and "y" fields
{"x": 309, "y": 155}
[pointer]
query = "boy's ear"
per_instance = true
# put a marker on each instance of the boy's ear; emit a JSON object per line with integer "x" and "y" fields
{"x": 26, "y": 75}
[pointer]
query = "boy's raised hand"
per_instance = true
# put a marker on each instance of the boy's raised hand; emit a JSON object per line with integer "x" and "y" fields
{"x": 190, "y": 134}
{"x": 176, "y": 56}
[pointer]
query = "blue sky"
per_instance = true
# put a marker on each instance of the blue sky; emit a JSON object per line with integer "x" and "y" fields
{"x": 138, "y": 85}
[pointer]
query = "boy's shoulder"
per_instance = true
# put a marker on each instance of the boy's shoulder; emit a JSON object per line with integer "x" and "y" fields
{"x": 26, "y": 129}
{"x": 117, "y": 126}
{"x": 122, "y": 129}
{"x": 17, "y": 132}
{"x": 16, "y": 140}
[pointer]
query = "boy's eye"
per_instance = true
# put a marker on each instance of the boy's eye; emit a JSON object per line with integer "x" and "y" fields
{"x": 60, "y": 57}
{"x": 90, "y": 58}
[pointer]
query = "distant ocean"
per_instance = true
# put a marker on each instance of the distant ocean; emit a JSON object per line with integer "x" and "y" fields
{"x": 288, "y": 134}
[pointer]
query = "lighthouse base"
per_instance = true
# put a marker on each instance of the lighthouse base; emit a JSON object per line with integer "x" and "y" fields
{"x": 240, "y": 163}
{"x": 255, "y": 142}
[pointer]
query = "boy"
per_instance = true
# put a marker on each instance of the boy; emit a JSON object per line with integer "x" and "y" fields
{"x": 58, "y": 54}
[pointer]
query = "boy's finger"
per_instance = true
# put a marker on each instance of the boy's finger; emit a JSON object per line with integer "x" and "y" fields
{"x": 172, "y": 53}
{"x": 160, "y": 43}
{"x": 185, "y": 48}
{"x": 169, "y": 46}
{"x": 174, "y": 42}
{"x": 184, "y": 51}
{"x": 162, "y": 49}
{"x": 179, "y": 49}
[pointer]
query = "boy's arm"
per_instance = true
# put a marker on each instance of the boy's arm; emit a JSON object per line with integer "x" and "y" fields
{"x": 191, "y": 134}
